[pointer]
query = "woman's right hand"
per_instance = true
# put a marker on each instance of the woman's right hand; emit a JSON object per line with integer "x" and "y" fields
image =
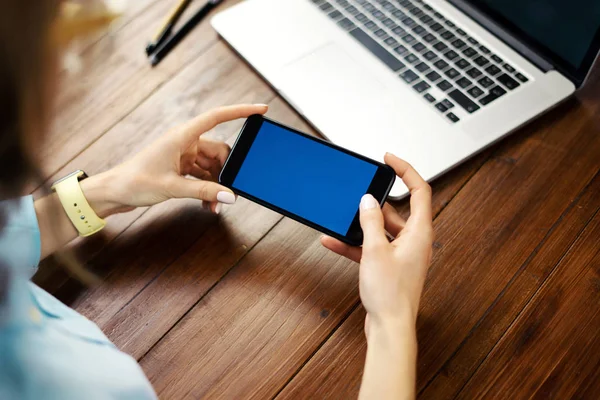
{"x": 392, "y": 274}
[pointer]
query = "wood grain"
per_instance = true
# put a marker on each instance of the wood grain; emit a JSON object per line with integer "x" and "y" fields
{"x": 549, "y": 351}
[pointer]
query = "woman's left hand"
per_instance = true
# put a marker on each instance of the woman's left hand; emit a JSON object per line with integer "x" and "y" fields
{"x": 180, "y": 164}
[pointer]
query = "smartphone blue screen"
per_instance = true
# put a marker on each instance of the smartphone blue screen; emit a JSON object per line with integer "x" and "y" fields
{"x": 305, "y": 177}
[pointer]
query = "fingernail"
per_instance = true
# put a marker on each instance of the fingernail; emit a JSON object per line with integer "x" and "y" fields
{"x": 226, "y": 197}
{"x": 218, "y": 208}
{"x": 261, "y": 105}
{"x": 367, "y": 202}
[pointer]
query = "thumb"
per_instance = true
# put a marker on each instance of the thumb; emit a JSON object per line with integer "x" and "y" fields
{"x": 202, "y": 190}
{"x": 371, "y": 221}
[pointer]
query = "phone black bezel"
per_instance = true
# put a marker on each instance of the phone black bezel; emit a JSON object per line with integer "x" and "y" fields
{"x": 380, "y": 185}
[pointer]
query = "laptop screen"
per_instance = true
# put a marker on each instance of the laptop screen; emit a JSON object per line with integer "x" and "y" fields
{"x": 565, "y": 32}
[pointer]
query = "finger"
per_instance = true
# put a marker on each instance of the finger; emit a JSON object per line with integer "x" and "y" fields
{"x": 352, "y": 253}
{"x": 214, "y": 150}
{"x": 208, "y": 120}
{"x": 201, "y": 173}
{"x": 181, "y": 187}
{"x": 420, "y": 191}
{"x": 371, "y": 222}
{"x": 394, "y": 223}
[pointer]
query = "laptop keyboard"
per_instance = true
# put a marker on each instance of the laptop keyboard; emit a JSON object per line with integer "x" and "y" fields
{"x": 426, "y": 49}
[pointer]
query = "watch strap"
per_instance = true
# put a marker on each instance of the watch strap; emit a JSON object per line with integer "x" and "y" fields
{"x": 79, "y": 211}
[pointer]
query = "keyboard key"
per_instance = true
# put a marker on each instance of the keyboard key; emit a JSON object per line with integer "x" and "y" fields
{"x": 509, "y": 82}
{"x": 343, "y": 3}
{"x": 475, "y": 42}
{"x": 379, "y": 15}
{"x": 380, "y": 33}
{"x": 441, "y": 107}
{"x": 433, "y": 76}
{"x": 399, "y": 14}
{"x": 401, "y": 49}
{"x": 408, "y": 38}
{"x": 492, "y": 70}
{"x": 317, "y": 1}
{"x": 521, "y": 77}
{"x": 427, "y": 7}
{"x": 448, "y": 35}
{"x": 509, "y": 68}
{"x": 497, "y": 91}
{"x": 371, "y": 25}
{"x": 421, "y": 86}
{"x": 439, "y": 16}
{"x": 389, "y": 6}
{"x": 426, "y": 19}
{"x": 475, "y": 91}
{"x": 411, "y": 58}
{"x": 418, "y": 29}
{"x": 493, "y": 95}
{"x": 496, "y": 58}
{"x": 437, "y": 27}
{"x": 452, "y": 73}
{"x": 346, "y": 24}
{"x": 444, "y": 85}
{"x": 484, "y": 49}
{"x": 474, "y": 72}
{"x": 361, "y": 17}
{"x": 447, "y": 103}
{"x": 377, "y": 50}
{"x": 462, "y": 63}
{"x": 335, "y": 14}
{"x": 458, "y": 43}
{"x": 391, "y": 42}
{"x": 389, "y": 23}
{"x": 469, "y": 52}
{"x": 463, "y": 101}
{"x": 326, "y": 6}
{"x": 450, "y": 24}
{"x": 486, "y": 82}
{"x": 461, "y": 32}
{"x": 429, "y": 38}
{"x": 463, "y": 82}
{"x": 408, "y": 21}
{"x": 440, "y": 64}
{"x": 481, "y": 61}
{"x": 416, "y": 12}
{"x": 352, "y": 10}
{"x": 430, "y": 55}
{"x": 409, "y": 76}
{"x": 429, "y": 98}
{"x": 450, "y": 55}
{"x": 440, "y": 46}
{"x": 419, "y": 47}
{"x": 452, "y": 117}
{"x": 421, "y": 67}
{"x": 369, "y": 7}
{"x": 399, "y": 31}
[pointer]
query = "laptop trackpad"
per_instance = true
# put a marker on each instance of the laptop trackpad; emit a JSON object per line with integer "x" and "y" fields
{"x": 346, "y": 102}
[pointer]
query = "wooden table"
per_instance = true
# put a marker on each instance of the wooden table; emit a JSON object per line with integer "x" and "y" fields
{"x": 248, "y": 304}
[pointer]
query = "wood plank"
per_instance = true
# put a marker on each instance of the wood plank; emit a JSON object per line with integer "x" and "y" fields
{"x": 153, "y": 119}
{"x": 116, "y": 79}
{"x": 289, "y": 289}
{"x": 553, "y": 348}
{"x": 506, "y": 209}
{"x": 455, "y": 373}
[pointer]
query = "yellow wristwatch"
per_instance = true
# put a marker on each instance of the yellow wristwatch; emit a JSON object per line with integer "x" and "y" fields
{"x": 76, "y": 205}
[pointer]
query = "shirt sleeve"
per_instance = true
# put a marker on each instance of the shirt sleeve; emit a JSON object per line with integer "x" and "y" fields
{"x": 20, "y": 243}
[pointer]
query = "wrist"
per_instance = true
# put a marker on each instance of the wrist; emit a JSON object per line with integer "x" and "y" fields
{"x": 99, "y": 190}
{"x": 390, "y": 331}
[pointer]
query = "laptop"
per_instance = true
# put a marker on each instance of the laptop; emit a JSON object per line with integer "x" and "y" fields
{"x": 433, "y": 82}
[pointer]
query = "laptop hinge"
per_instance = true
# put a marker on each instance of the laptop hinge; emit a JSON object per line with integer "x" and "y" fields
{"x": 503, "y": 35}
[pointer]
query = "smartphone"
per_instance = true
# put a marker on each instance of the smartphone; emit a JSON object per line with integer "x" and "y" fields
{"x": 305, "y": 178}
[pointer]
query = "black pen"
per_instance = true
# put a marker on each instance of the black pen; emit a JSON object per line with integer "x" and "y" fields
{"x": 167, "y": 26}
{"x": 164, "y": 49}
